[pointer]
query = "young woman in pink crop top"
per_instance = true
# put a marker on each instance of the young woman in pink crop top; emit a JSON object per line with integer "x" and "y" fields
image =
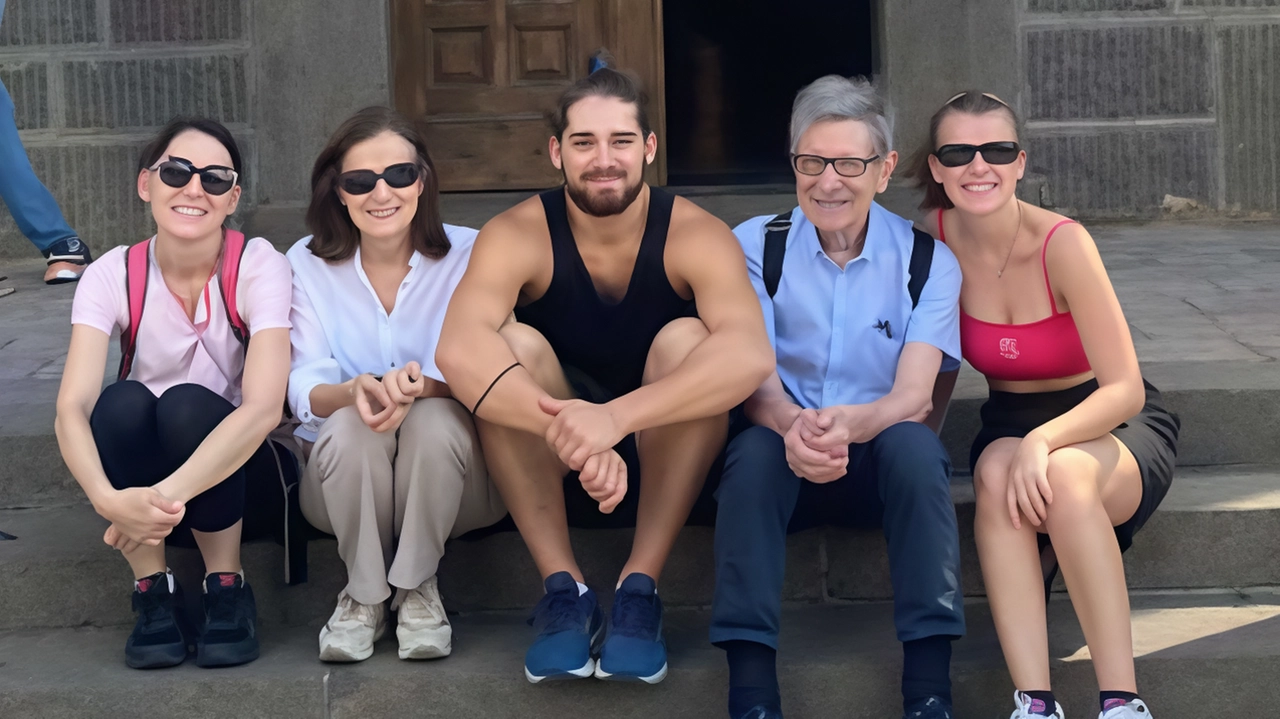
{"x": 1076, "y": 450}
{"x": 166, "y": 453}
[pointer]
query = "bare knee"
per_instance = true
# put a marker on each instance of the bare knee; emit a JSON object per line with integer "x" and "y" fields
{"x": 533, "y": 352}
{"x": 672, "y": 346}
{"x": 1073, "y": 480}
{"x": 991, "y": 476}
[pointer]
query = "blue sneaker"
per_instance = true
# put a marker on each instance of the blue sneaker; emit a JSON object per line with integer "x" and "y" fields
{"x": 635, "y": 649}
{"x": 932, "y": 708}
{"x": 570, "y": 627}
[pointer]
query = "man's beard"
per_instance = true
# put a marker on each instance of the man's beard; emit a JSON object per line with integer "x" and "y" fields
{"x": 605, "y": 204}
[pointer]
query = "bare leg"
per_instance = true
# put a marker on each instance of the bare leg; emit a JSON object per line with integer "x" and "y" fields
{"x": 1011, "y": 572}
{"x": 146, "y": 560}
{"x": 221, "y": 550}
{"x": 674, "y": 459}
{"x": 1096, "y": 485}
{"x": 526, "y": 471}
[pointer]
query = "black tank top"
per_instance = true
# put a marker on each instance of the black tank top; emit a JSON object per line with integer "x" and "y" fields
{"x": 608, "y": 342}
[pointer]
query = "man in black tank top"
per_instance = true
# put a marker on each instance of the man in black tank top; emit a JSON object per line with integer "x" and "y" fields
{"x": 636, "y": 331}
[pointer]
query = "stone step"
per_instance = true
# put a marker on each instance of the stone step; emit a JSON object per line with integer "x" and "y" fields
{"x": 1210, "y": 532}
{"x": 1230, "y": 414}
{"x": 835, "y": 661}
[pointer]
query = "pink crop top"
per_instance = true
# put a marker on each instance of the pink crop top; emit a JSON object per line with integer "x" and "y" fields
{"x": 1046, "y": 349}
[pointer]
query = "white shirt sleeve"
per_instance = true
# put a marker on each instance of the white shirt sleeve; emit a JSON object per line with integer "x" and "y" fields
{"x": 312, "y": 361}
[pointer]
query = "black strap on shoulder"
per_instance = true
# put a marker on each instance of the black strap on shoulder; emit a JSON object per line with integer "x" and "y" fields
{"x": 775, "y": 247}
{"x": 921, "y": 261}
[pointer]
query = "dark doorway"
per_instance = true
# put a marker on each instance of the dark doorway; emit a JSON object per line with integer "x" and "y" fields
{"x": 732, "y": 70}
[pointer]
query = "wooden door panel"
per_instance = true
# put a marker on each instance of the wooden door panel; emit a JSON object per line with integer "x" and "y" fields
{"x": 484, "y": 75}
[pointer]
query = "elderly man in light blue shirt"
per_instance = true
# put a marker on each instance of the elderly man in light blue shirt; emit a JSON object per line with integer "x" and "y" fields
{"x": 863, "y": 314}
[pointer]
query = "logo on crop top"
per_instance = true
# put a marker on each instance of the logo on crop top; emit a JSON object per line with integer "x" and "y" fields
{"x": 1009, "y": 348}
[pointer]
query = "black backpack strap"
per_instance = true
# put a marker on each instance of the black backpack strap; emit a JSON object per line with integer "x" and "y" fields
{"x": 918, "y": 270}
{"x": 775, "y": 247}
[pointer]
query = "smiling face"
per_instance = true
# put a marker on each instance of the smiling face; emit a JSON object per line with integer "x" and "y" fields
{"x": 979, "y": 187}
{"x": 832, "y": 202}
{"x": 387, "y": 211}
{"x": 189, "y": 212}
{"x": 603, "y": 155}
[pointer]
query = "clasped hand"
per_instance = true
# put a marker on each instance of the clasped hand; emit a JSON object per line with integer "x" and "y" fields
{"x": 818, "y": 441}
{"x": 582, "y": 434}
{"x": 384, "y": 403}
{"x": 140, "y": 515}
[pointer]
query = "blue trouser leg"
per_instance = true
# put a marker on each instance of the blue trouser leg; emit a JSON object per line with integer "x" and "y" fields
{"x": 756, "y": 498}
{"x": 912, "y": 474}
{"x": 33, "y": 208}
{"x": 900, "y": 479}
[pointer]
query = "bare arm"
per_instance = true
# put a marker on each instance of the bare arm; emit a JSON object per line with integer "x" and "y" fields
{"x": 236, "y": 438}
{"x": 471, "y": 353}
{"x": 1076, "y": 268}
{"x": 770, "y": 406}
{"x": 943, "y": 387}
{"x": 77, "y": 395}
{"x": 910, "y": 400}
{"x": 732, "y": 362}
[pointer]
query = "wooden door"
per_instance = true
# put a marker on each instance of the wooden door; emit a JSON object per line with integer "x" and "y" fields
{"x": 484, "y": 75}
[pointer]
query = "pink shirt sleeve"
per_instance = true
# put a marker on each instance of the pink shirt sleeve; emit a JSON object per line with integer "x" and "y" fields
{"x": 101, "y": 299}
{"x": 266, "y": 287}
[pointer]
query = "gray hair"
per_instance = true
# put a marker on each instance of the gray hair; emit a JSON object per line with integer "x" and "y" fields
{"x": 834, "y": 98}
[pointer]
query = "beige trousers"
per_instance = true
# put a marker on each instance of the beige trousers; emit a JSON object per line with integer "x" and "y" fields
{"x": 424, "y": 484}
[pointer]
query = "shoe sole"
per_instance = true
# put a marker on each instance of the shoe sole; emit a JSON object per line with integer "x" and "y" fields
{"x": 425, "y": 643}
{"x": 651, "y": 679}
{"x": 227, "y": 655}
{"x": 334, "y": 654}
{"x": 156, "y": 657}
{"x": 426, "y": 652}
{"x": 586, "y": 671}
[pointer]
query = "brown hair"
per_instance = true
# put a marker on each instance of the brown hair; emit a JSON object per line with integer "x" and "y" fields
{"x": 605, "y": 82}
{"x": 335, "y": 235}
{"x": 969, "y": 102}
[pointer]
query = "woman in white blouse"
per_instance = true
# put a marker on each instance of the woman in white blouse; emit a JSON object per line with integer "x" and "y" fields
{"x": 394, "y": 455}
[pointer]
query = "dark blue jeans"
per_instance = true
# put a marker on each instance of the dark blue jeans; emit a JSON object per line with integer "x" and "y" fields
{"x": 899, "y": 480}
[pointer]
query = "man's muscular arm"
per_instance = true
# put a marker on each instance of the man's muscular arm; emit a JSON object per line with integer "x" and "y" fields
{"x": 471, "y": 353}
{"x": 734, "y": 360}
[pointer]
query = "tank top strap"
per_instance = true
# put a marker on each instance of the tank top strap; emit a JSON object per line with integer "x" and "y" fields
{"x": 656, "y": 225}
{"x": 563, "y": 247}
{"x": 1044, "y": 265}
{"x": 942, "y": 234}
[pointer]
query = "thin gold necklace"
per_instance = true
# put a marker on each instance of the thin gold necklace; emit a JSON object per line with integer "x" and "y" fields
{"x": 1012, "y": 242}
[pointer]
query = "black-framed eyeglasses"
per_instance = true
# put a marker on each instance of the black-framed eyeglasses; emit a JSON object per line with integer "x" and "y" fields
{"x": 993, "y": 153}
{"x": 815, "y": 165}
{"x": 215, "y": 179}
{"x": 362, "y": 182}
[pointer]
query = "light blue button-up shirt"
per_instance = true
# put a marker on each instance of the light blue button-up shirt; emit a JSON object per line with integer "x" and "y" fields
{"x": 838, "y": 331}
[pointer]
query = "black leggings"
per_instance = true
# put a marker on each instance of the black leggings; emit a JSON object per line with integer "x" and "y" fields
{"x": 142, "y": 440}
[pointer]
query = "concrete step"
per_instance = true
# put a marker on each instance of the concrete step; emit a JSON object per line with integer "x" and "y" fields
{"x": 1210, "y": 532}
{"x": 1192, "y": 649}
{"x": 1230, "y": 414}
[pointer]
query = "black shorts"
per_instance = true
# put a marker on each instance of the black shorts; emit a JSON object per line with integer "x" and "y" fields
{"x": 1151, "y": 435}
{"x": 584, "y": 512}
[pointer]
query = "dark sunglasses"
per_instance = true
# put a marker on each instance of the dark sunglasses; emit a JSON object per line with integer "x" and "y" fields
{"x": 177, "y": 172}
{"x": 993, "y": 153}
{"x": 815, "y": 165}
{"x": 362, "y": 182}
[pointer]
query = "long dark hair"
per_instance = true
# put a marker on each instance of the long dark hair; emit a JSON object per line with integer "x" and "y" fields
{"x": 335, "y": 235}
{"x": 605, "y": 82}
{"x": 970, "y": 102}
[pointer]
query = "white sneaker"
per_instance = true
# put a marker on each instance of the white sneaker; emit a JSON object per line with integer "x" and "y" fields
{"x": 421, "y": 625}
{"x": 1025, "y": 706}
{"x": 1136, "y": 709}
{"x": 351, "y": 631}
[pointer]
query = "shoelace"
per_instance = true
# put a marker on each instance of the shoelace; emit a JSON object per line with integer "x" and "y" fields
{"x": 152, "y": 607}
{"x": 222, "y": 607}
{"x": 634, "y": 615}
{"x": 557, "y": 612}
{"x": 416, "y": 601}
{"x": 355, "y": 611}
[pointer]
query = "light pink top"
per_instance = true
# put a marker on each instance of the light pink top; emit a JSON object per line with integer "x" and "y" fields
{"x": 175, "y": 350}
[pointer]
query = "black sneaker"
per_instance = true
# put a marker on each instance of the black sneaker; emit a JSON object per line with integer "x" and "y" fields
{"x": 159, "y": 639}
{"x": 66, "y": 261}
{"x": 230, "y": 633}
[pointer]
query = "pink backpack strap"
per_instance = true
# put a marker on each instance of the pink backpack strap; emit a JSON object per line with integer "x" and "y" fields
{"x": 233, "y": 247}
{"x": 137, "y": 266}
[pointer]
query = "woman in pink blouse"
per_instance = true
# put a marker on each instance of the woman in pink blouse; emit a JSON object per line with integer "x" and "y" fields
{"x": 165, "y": 453}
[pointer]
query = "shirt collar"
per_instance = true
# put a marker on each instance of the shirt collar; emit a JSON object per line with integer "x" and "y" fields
{"x": 874, "y": 246}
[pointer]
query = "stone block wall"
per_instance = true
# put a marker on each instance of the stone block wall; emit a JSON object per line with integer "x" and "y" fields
{"x": 93, "y": 80}
{"x": 1126, "y": 101}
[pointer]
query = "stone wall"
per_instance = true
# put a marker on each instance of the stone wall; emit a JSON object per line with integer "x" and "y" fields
{"x": 92, "y": 80}
{"x": 1126, "y": 101}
